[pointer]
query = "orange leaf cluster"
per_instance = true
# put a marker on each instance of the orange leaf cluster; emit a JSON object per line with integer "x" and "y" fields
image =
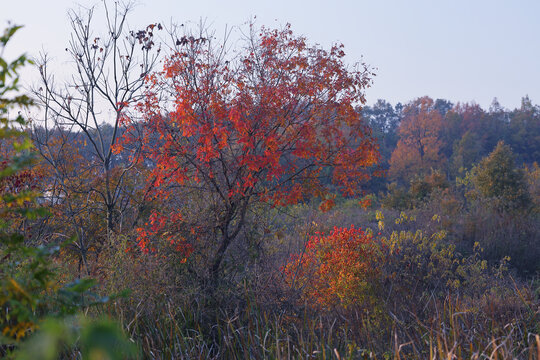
{"x": 335, "y": 269}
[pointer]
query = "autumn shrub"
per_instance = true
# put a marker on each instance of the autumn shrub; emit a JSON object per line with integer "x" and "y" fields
{"x": 336, "y": 270}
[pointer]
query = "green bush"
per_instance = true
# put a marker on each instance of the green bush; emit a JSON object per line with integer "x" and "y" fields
{"x": 497, "y": 176}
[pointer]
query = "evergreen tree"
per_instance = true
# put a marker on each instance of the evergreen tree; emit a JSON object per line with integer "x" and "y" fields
{"x": 497, "y": 176}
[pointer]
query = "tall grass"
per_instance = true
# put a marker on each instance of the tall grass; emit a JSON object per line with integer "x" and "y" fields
{"x": 454, "y": 329}
{"x": 421, "y": 313}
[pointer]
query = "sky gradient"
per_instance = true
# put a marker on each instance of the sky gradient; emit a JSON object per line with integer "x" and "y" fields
{"x": 459, "y": 50}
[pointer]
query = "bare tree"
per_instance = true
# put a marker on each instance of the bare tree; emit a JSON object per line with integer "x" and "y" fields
{"x": 107, "y": 79}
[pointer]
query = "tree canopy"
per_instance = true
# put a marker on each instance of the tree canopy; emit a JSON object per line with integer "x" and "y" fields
{"x": 266, "y": 125}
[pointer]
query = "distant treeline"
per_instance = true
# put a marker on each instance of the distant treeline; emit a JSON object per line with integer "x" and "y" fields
{"x": 421, "y": 136}
{"x": 428, "y": 134}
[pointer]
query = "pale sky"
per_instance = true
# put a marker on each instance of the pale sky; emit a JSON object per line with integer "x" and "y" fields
{"x": 460, "y": 50}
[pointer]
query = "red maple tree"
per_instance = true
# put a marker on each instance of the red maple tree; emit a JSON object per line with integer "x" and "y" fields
{"x": 273, "y": 122}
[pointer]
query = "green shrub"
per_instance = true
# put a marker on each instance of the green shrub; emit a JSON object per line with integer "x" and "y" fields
{"x": 497, "y": 176}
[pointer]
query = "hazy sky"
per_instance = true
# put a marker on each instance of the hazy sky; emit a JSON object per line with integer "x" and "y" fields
{"x": 461, "y": 50}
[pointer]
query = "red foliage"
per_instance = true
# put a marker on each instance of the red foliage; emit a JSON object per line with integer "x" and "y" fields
{"x": 262, "y": 126}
